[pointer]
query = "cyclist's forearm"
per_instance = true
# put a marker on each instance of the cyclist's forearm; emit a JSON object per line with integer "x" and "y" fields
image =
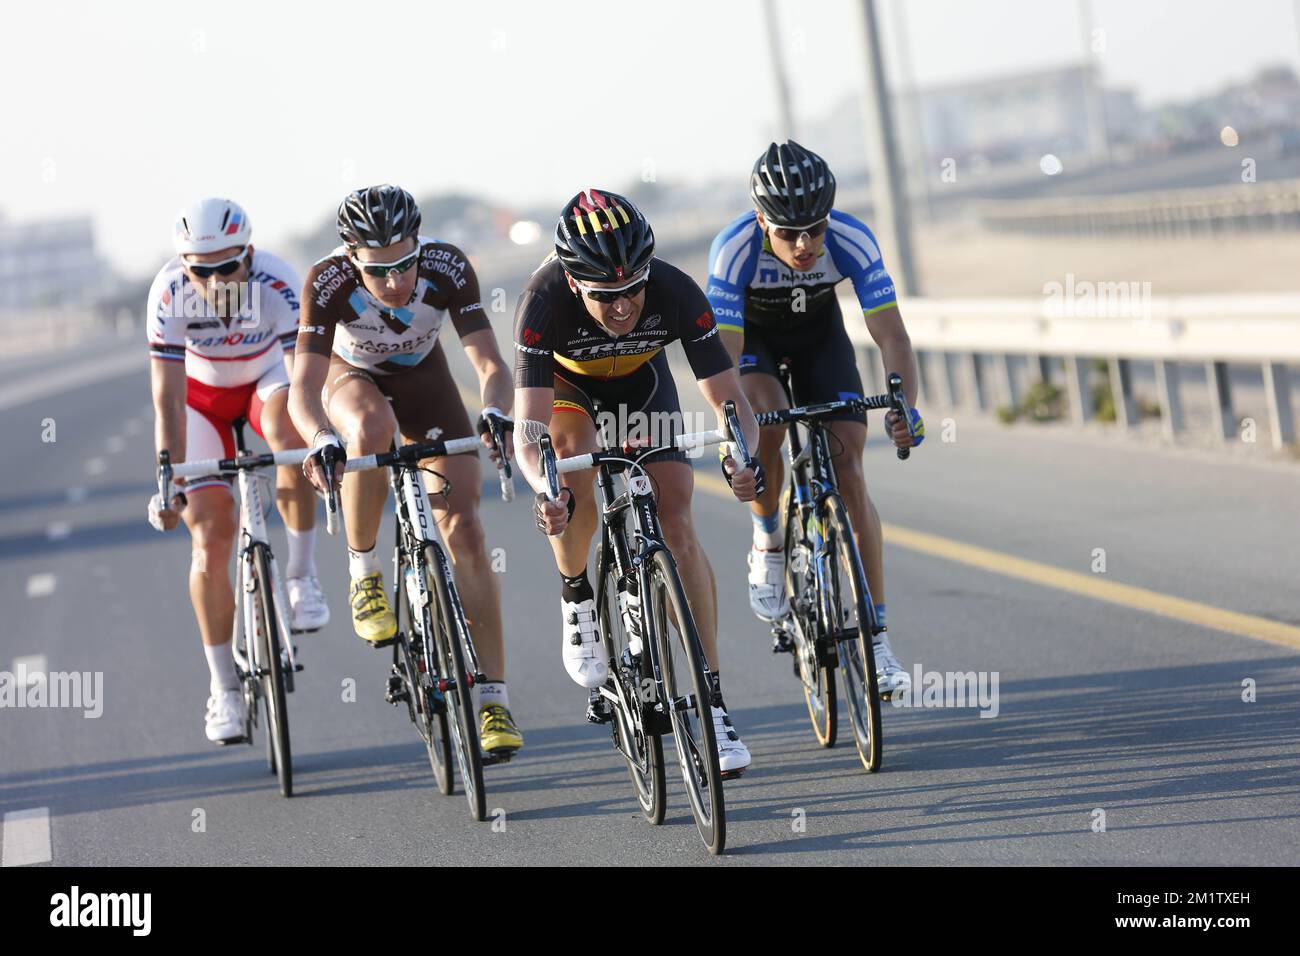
{"x": 169, "y": 392}
{"x": 717, "y": 390}
{"x": 897, "y": 356}
{"x": 496, "y": 389}
{"x": 306, "y": 410}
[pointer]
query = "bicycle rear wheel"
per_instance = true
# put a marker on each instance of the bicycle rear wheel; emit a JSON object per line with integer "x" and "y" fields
{"x": 849, "y": 601}
{"x": 690, "y": 697}
{"x": 801, "y": 588}
{"x": 426, "y": 705}
{"x": 449, "y": 631}
{"x": 272, "y": 674}
{"x": 643, "y": 751}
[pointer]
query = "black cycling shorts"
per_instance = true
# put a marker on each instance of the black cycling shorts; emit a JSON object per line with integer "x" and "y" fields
{"x": 823, "y": 363}
{"x": 643, "y": 404}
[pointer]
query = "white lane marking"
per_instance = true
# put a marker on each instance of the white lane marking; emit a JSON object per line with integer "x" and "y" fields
{"x": 77, "y": 493}
{"x": 58, "y": 530}
{"x": 32, "y": 664}
{"x": 40, "y": 585}
{"x": 115, "y": 444}
{"x": 26, "y": 837}
{"x": 96, "y": 466}
{"x": 63, "y": 378}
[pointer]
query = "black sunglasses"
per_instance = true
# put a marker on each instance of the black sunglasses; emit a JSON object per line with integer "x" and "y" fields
{"x": 608, "y": 296}
{"x": 225, "y": 267}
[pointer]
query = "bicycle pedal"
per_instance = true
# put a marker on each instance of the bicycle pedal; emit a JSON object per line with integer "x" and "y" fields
{"x": 303, "y": 630}
{"x": 782, "y": 643}
{"x": 231, "y": 741}
{"x": 386, "y": 642}
{"x": 730, "y": 774}
{"x": 501, "y": 755}
{"x": 598, "y": 712}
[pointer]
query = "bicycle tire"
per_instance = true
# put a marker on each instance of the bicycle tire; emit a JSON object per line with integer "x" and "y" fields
{"x": 693, "y": 736}
{"x": 857, "y": 658}
{"x": 816, "y": 680}
{"x": 647, "y": 769}
{"x": 272, "y": 678}
{"x": 449, "y": 631}
{"x": 427, "y": 712}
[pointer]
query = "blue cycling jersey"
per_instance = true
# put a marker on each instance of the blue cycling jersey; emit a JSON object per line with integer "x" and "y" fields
{"x": 748, "y": 283}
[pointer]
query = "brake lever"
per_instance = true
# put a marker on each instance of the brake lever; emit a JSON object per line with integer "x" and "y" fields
{"x": 898, "y": 405}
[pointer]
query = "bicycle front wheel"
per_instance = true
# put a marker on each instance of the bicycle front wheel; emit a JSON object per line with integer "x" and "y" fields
{"x": 426, "y": 705}
{"x": 272, "y": 674}
{"x": 449, "y": 631}
{"x": 690, "y": 697}
{"x": 643, "y": 751}
{"x": 817, "y": 681}
{"x": 849, "y": 601}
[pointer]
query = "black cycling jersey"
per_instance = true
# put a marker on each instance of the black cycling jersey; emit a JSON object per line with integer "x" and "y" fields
{"x": 552, "y": 326}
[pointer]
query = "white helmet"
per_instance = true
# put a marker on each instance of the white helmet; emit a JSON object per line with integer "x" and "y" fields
{"x": 211, "y": 224}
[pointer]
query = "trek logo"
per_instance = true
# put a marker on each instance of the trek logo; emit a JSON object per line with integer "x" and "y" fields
{"x": 705, "y": 321}
{"x": 103, "y": 909}
{"x": 531, "y": 337}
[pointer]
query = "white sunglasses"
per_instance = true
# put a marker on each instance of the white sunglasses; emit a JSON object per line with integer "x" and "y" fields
{"x": 601, "y": 294}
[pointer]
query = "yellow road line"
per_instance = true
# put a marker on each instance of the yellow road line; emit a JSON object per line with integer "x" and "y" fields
{"x": 998, "y": 562}
{"x": 1126, "y": 595}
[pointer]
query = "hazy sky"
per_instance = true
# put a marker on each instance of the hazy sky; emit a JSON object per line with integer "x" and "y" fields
{"x": 129, "y": 110}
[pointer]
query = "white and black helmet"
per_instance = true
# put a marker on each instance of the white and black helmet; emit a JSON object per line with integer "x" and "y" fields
{"x": 792, "y": 186}
{"x": 210, "y": 225}
{"x": 378, "y": 216}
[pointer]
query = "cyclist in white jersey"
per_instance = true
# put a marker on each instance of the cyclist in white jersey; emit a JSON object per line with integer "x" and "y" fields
{"x": 222, "y": 325}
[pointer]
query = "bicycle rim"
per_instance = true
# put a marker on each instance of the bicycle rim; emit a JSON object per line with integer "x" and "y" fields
{"x": 643, "y": 751}
{"x": 848, "y": 602}
{"x": 690, "y": 712}
{"x": 817, "y": 682}
{"x": 459, "y": 698}
{"x": 273, "y": 693}
{"x": 423, "y": 702}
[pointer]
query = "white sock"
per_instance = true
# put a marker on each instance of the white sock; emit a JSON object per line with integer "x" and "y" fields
{"x": 767, "y": 532}
{"x": 221, "y": 667}
{"x": 493, "y": 692}
{"x": 361, "y": 563}
{"x": 302, "y": 553}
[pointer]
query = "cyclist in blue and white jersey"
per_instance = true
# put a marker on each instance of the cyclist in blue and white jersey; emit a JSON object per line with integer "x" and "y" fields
{"x": 772, "y": 278}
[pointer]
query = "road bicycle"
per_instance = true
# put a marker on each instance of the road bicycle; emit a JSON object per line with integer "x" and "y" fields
{"x": 659, "y": 681}
{"x": 832, "y": 620}
{"x": 262, "y": 644}
{"x": 435, "y": 666}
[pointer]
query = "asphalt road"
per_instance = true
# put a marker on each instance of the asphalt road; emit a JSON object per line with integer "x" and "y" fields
{"x": 1114, "y": 706}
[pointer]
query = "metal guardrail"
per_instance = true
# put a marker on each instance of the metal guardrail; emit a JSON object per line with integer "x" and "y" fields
{"x": 949, "y": 336}
{"x": 1246, "y": 207}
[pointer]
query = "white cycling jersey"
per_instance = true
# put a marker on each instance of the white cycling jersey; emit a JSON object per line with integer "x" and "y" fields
{"x": 232, "y": 350}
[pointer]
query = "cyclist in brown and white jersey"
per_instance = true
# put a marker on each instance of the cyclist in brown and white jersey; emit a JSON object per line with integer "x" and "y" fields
{"x": 592, "y": 323}
{"x": 369, "y": 361}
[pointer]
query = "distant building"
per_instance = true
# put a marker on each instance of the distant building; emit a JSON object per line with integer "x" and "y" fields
{"x": 49, "y": 263}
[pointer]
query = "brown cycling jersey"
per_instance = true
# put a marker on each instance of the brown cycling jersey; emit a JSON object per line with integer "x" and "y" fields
{"x": 339, "y": 315}
{"x": 553, "y": 327}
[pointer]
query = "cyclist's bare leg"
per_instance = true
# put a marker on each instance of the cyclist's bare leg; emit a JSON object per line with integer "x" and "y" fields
{"x": 365, "y": 420}
{"x": 213, "y": 522}
{"x": 766, "y": 395}
{"x": 574, "y": 434}
{"x": 293, "y": 492}
{"x": 675, "y": 481}
{"x": 458, "y": 521}
{"x": 862, "y": 512}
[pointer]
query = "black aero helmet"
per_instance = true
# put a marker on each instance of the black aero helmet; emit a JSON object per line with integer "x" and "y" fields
{"x": 792, "y": 186}
{"x": 602, "y": 237}
{"x": 378, "y": 216}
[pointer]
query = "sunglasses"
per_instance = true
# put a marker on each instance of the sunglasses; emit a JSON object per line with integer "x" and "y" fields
{"x": 225, "y": 267}
{"x": 792, "y": 233}
{"x": 382, "y": 270}
{"x": 608, "y": 296}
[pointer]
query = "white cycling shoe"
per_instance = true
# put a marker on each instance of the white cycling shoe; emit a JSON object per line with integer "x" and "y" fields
{"x": 733, "y": 755}
{"x": 767, "y": 585}
{"x": 307, "y": 608}
{"x": 890, "y": 676}
{"x": 225, "y": 719}
{"x": 582, "y": 651}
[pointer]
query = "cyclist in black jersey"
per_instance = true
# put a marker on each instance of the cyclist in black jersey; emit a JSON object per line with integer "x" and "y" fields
{"x": 592, "y": 323}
